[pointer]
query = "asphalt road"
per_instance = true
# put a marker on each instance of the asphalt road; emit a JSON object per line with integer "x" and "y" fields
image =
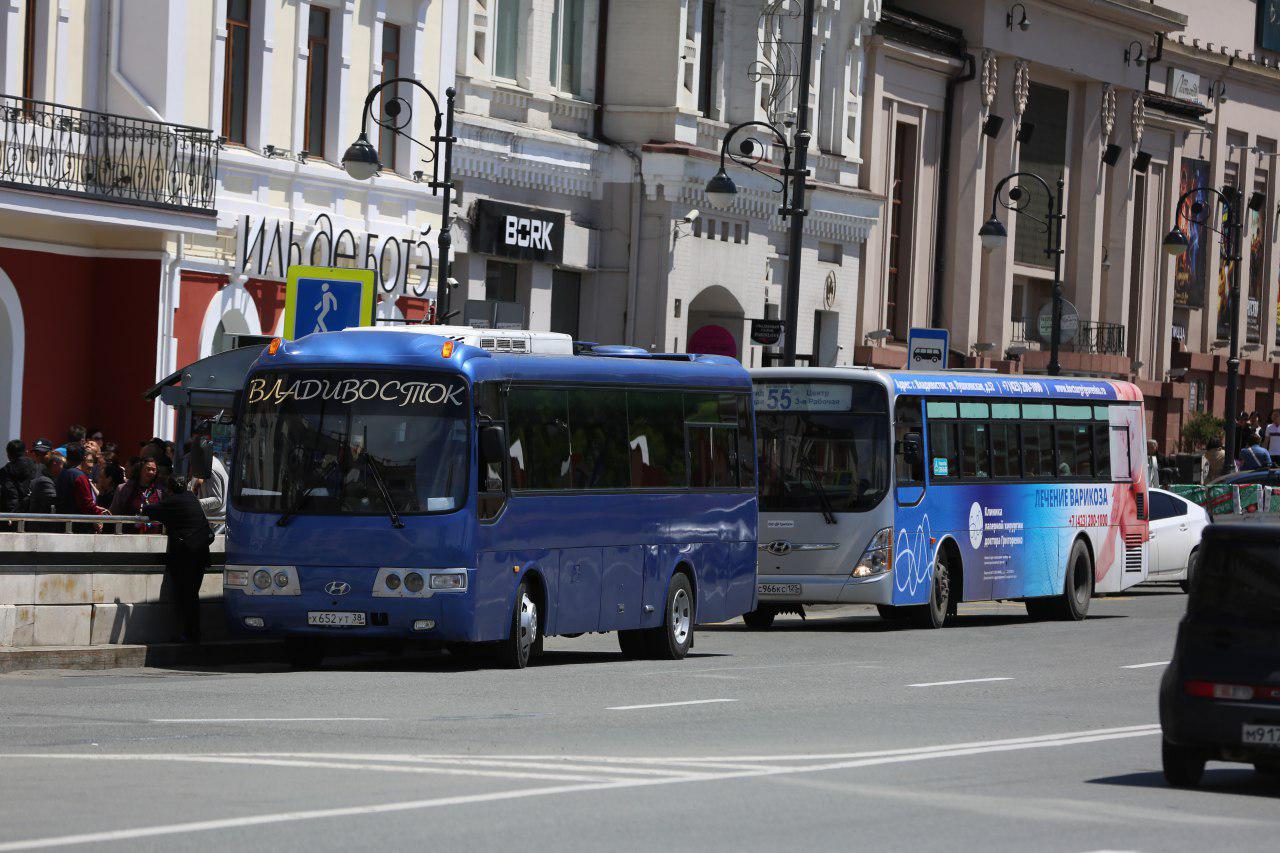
{"x": 841, "y": 731}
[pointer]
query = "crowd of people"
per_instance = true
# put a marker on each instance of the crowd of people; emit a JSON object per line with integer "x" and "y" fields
{"x": 87, "y": 475}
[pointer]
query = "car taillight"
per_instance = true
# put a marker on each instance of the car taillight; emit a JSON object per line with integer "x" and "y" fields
{"x": 1210, "y": 690}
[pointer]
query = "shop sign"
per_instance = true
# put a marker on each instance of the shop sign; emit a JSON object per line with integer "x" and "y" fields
{"x": 515, "y": 231}
{"x": 266, "y": 248}
{"x": 1184, "y": 85}
{"x": 767, "y": 333}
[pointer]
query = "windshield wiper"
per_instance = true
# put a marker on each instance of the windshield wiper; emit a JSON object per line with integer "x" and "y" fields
{"x": 288, "y": 514}
{"x": 827, "y": 515}
{"x": 368, "y": 461}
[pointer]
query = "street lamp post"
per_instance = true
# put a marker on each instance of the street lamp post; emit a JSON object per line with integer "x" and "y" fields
{"x": 721, "y": 188}
{"x": 1175, "y": 243}
{"x": 361, "y": 162}
{"x": 993, "y": 235}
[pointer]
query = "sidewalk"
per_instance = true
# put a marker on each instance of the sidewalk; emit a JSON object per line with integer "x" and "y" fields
{"x": 22, "y": 658}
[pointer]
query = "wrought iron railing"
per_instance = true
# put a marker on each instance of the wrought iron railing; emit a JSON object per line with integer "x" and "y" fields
{"x": 69, "y": 151}
{"x": 1091, "y": 336}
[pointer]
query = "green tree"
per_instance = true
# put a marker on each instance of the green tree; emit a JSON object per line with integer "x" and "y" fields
{"x": 1200, "y": 429}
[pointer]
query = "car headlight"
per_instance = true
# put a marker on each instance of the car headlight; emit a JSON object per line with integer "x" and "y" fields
{"x": 262, "y": 579}
{"x": 878, "y": 558}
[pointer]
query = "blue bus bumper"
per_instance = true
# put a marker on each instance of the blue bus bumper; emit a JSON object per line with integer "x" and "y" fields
{"x": 451, "y": 614}
{"x": 826, "y": 589}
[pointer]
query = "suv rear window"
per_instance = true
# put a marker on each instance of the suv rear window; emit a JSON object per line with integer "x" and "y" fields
{"x": 1239, "y": 582}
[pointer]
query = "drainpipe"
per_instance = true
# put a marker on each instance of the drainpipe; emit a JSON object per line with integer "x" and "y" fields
{"x": 944, "y": 182}
{"x": 1146, "y": 86}
{"x": 637, "y": 180}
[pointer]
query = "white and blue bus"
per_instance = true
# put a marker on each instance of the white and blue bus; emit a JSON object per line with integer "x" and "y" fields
{"x": 916, "y": 491}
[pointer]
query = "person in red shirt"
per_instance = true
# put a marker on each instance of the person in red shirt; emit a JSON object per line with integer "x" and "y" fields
{"x": 75, "y": 489}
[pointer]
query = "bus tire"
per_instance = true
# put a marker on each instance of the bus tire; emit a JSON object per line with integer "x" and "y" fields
{"x": 634, "y": 644}
{"x": 760, "y": 619}
{"x": 940, "y": 607}
{"x": 304, "y": 653}
{"x": 1073, "y": 604}
{"x": 673, "y": 638}
{"x": 522, "y": 637}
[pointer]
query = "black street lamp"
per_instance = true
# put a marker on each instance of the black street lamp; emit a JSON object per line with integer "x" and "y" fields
{"x": 993, "y": 236}
{"x": 721, "y": 189}
{"x": 361, "y": 162}
{"x": 1175, "y": 243}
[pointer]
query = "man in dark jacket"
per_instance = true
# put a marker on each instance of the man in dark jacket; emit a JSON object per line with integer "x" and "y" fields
{"x": 15, "y": 477}
{"x": 187, "y": 554}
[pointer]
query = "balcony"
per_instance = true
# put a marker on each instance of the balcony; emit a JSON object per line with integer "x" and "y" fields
{"x": 1091, "y": 337}
{"x": 61, "y": 150}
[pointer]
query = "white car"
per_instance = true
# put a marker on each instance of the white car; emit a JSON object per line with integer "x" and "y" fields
{"x": 1176, "y": 525}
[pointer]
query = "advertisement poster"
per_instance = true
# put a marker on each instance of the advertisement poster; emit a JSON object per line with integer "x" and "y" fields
{"x": 1192, "y": 267}
{"x": 1269, "y": 24}
{"x": 1257, "y": 273}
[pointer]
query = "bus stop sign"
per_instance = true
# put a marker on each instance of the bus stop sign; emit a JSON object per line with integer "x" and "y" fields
{"x": 327, "y": 299}
{"x": 927, "y": 349}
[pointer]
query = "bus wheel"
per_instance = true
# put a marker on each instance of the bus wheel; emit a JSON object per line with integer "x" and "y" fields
{"x": 522, "y": 638}
{"x": 761, "y": 618}
{"x": 634, "y": 644}
{"x": 304, "y": 654}
{"x": 671, "y": 640}
{"x": 1073, "y": 604}
{"x": 935, "y": 613}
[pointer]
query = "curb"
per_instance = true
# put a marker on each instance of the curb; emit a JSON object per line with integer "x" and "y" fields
{"x": 21, "y": 658}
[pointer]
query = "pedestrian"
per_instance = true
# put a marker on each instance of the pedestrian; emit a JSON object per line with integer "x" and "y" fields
{"x": 186, "y": 553}
{"x": 44, "y": 493}
{"x": 1272, "y": 434}
{"x": 139, "y": 491}
{"x": 15, "y": 479}
{"x": 1255, "y": 456}
{"x": 75, "y": 435}
{"x": 110, "y": 481}
{"x": 110, "y": 453}
{"x": 1244, "y": 435}
{"x": 40, "y": 450}
{"x": 1213, "y": 464}
{"x": 1153, "y": 464}
{"x": 74, "y": 489}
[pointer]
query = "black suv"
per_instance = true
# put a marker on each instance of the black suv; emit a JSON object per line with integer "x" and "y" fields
{"x": 1220, "y": 697}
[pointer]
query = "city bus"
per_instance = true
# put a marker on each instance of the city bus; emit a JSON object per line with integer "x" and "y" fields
{"x": 489, "y": 488}
{"x": 915, "y": 491}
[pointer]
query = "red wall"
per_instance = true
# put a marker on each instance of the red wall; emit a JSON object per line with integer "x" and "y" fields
{"x": 90, "y": 342}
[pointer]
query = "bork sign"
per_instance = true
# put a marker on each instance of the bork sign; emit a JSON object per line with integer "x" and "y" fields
{"x": 514, "y": 231}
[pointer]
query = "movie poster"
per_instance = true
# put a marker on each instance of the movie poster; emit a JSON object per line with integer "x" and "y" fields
{"x": 1192, "y": 267}
{"x": 1257, "y": 275}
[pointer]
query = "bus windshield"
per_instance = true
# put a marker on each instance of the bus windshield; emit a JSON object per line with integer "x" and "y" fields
{"x": 822, "y": 444}
{"x": 357, "y": 443}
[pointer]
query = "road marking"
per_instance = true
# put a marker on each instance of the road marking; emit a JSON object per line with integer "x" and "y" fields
{"x": 1145, "y": 665}
{"x": 668, "y": 704}
{"x": 959, "y": 681}
{"x": 270, "y": 720}
{"x": 869, "y": 759}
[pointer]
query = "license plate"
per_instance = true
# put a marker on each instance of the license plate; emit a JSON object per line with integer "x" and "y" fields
{"x": 1261, "y": 735}
{"x": 335, "y": 618}
{"x": 778, "y": 589}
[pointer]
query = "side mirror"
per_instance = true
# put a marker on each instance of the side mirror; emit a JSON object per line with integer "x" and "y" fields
{"x": 912, "y": 448}
{"x": 493, "y": 443}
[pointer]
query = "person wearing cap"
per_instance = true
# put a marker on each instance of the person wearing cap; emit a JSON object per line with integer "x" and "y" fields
{"x": 40, "y": 450}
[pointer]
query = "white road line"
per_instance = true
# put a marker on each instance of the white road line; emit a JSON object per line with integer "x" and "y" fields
{"x": 1145, "y": 665}
{"x": 668, "y": 704}
{"x": 920, "y": 754}
{"x": 959, "y": 681}
{"x": 270, "y": 720}
{"x": 612, "y": 772}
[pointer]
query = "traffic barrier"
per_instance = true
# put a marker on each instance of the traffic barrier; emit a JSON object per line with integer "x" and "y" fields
{"x": 1223, "y": 500}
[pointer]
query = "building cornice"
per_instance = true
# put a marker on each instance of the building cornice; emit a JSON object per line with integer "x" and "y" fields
{"x": 1136, "y": 14}
{"x": 1226, "y": 62}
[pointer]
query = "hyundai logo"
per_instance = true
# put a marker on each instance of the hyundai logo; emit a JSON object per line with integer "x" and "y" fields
{"x": 337, "y": 587}
{"x": 780, "y": 548}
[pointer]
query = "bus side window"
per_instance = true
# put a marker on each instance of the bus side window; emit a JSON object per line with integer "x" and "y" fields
{"x": 655, "y": 436}
{"x": 538, "y": 438}
{"x": 908, "y": 453}
{"x": 944, "y": 455}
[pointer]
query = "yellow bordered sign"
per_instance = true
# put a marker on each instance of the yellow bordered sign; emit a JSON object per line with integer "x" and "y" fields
{"x": 326, "y": 299}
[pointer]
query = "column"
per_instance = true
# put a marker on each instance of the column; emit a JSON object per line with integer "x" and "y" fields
{"x": 534, "y": 286}
{"x": 1085, "y": 206}
{"x": 996, "y": 281}
{"x": 1118, "y": 290}
{"x": 968, "y": 201}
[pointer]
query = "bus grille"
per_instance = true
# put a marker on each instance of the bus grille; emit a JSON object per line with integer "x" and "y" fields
{"x": 504, "y": 344}
{"x": 1133, "y": 552}
{"x": 1140, "y": 500}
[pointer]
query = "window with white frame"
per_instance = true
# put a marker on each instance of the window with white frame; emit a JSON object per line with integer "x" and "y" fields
{"x": 566, "y": 45}
{"x": 506, "y": 43}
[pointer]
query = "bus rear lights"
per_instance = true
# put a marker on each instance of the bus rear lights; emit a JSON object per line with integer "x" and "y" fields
{"x": 1210, "y": 690}
{"x": 254, "y": 622}
{"x": 393, "y": 581}
{"x": 423, "y": 624}
{"x": 262, "y": 579}
{"x": 235, "y": 577}
{"x": 452, "y": 580}
{"x": 878, "y": 558}
{"x": 413, "y": 582}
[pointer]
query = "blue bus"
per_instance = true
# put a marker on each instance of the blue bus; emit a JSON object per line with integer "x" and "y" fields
{"x": 915, "y": 491}
{"x": 495, "y": 487}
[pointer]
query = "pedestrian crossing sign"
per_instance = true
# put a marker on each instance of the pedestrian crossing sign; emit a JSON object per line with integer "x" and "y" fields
{"x": 326, "y": 299}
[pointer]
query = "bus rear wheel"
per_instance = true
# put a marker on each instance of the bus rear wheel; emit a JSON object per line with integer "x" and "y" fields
{"x": 522, "y": 638}
{"x": 761, "y": 618}
{"x": 1077, "y": 590}
{"x": 939, "y": 608}
{"x": 673, "y": 638}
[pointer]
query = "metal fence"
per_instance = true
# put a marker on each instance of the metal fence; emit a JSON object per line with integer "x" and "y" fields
{"x": 65, "y": 150}
{"x": 1091, "y": 336}
{"x": 49, "y": 522}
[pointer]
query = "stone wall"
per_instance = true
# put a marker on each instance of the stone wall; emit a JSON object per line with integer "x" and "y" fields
{"x": 70, "y": 589}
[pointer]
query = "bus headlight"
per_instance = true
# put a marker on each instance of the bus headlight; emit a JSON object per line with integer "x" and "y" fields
{"x": 413, "y": 582}
{"x": 235, "y": 577}
{"x": 262, "y": 579}
{"x": 393, "y": 581}
{"x": 878, "y": 558}
{"x": 282, "y": 580}
{"x": 450, "y": 580}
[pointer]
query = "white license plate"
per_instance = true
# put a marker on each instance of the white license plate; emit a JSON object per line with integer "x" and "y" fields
{"x": 778, "y": 589}
{"x": 1261, "y": 735}
{"x": 335, "y": 618}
